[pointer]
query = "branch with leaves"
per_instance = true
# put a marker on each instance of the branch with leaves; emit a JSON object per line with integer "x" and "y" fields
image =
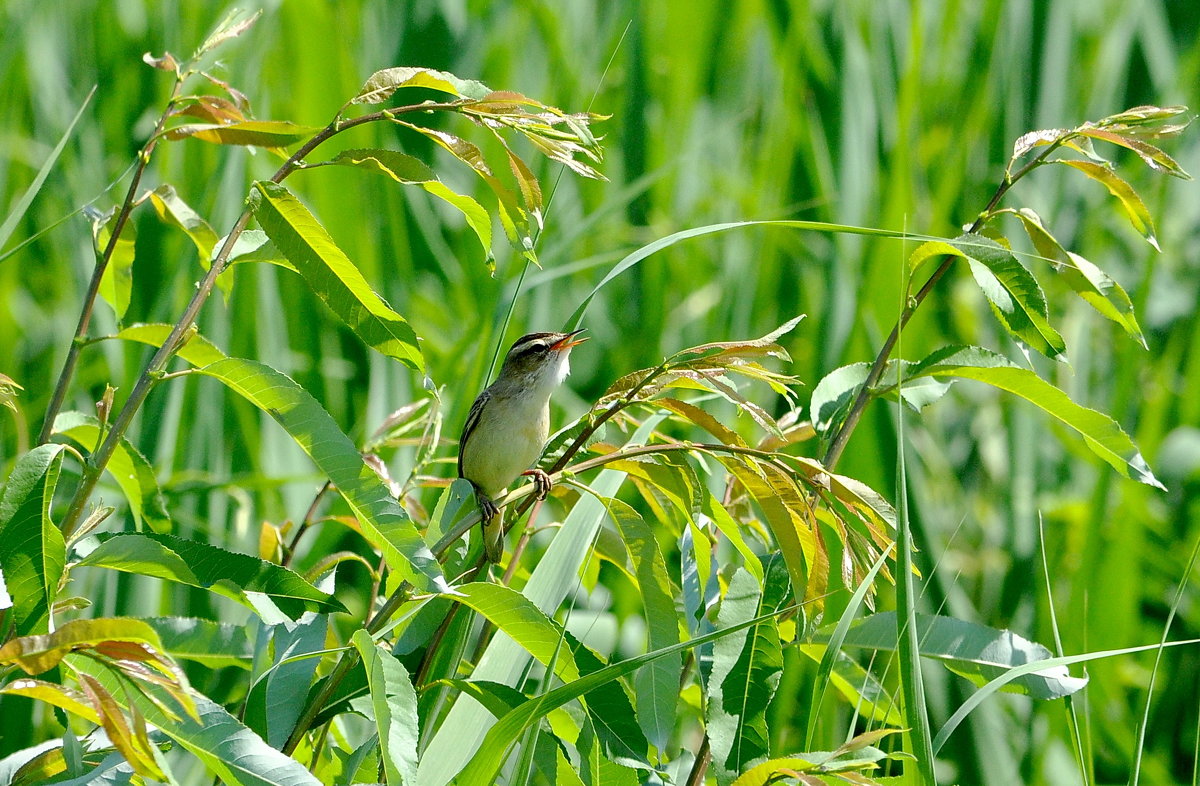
{"x": 761, "y": 530}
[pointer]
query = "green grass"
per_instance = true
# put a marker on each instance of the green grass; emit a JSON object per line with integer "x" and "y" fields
{"x": 880, "y": 115}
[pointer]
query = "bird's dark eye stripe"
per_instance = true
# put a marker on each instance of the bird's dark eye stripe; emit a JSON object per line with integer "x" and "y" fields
{"x": 533, "y": 342}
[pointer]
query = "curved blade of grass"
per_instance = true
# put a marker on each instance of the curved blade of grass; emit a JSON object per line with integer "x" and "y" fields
{"x": 554, "y": 577}
{"x": 1141, "y": 737}
{"x": 993, "y": 687}
{"x": 834, "y": 646}
{"x": 18, "y": 210}
{"x": 912, "y": 680}
{"x": 650, "y": 249}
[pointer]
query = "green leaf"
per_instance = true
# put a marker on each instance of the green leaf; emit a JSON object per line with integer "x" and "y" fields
{"x": 1085, "y": 279}
{"x": 32, "y": 549}
{"x": 395, "y": 705}
{"x": 116, "y": 285}
{"x": 384, "y": 523}
{"x": 253, "y": 133}
{"x": 284, "y": 671}
{"x": 174, "y": 211}
{"x": 1100, "y": 432}
{"x": 1135, "y": 208}
{"x": 412, "y": 171}
{"x": 746, "y": 670}
{"x": 331, "y": 275}
{"x": 36, "y": 654}
{"x": 381, "y": 84}
{"x": 930, "y": 250}
{"x": 128, "y": 467}
{"x": 525, "y": 623}
{"x": 197, "y": 350}
{"x": 487, "y": 760}
{"x": 513, "y": 216}
{"x": 657, "y": 685}
{"x": 1013, "y": 292}
{"x": 208, "y": 567}
{"x": 974, "y": 651}
{"x": 833, "y": 395}
{"x": 214, "y": 644}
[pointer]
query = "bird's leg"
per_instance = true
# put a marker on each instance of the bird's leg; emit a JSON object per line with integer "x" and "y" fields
{"x": 493, "y": 526}
{"x": 487, "y": 507}
{"x": 541, "y": 482}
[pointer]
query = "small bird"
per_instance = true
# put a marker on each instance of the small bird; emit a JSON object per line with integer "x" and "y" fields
{"x": 509, "y": 422}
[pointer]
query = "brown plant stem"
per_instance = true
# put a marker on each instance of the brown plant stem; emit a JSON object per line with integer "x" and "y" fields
{"x": 700, "y": 766}
{"x": 837, "y": 445}
{"x": 180, "y": 332}
{"x": 93, "y": 290}
{"x": 306, "y": 523}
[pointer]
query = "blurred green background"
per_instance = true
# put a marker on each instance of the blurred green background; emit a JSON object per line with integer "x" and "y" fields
{"x": 883, "y": 114}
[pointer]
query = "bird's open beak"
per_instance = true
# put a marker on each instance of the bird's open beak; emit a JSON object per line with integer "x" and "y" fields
{"x": 566, "y": 343}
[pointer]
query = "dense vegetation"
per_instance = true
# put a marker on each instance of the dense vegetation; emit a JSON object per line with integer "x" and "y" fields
{"x": 702, "y": 597}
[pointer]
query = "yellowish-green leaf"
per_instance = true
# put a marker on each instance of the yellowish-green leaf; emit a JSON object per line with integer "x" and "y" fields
{"x": 116, "y": 285}
{"x": 197, "y": 350}
{"x": 253, "y": 133}
{"x": 36, "y": 654}
{"x": 1154, "y": 157}
{"x": 1135, "y": 208}
{"x": 382, "y": 84}
{"x": 331, "y": 275}
{"x": 54, "y": 694}
{"x": 1091, "y": 283}
{"x": 406, "y": 169}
